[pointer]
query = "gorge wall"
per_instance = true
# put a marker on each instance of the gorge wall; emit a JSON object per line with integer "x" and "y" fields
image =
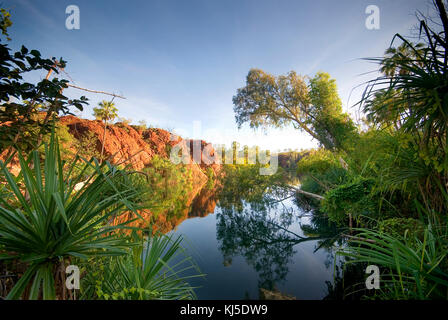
{"x": 125, "y": 145}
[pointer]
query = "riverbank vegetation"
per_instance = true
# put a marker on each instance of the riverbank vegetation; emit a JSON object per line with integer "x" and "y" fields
{"x": 56, "y": 214}
{"x": 377, "y": 188}
{"x": 61, "y": 207}
{"x": 386, "y": 179}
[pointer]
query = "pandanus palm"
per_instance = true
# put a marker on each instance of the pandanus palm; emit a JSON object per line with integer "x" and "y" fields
{"x": 414, "y": 84}
{"x": 412, "y": 95}
{"x": 106, "y": 112}
{"x": 47, "y": 219}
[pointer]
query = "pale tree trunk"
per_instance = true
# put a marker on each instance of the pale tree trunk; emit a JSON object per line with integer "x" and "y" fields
{"x": 104, "y": 140}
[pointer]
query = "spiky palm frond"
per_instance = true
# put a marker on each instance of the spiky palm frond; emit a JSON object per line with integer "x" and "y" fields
{"x": 46, "y": 217}
{"x": 156, "y": 269}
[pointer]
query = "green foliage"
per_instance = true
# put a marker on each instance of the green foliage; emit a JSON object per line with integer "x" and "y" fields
{"x": 210, "y": 178}
{"x": 403, "y": 151}
{"x": 86, "y": 145}
{"x": 404, "y": 227}
{"x": 319, "y": 170}
{"x": 414, "y": 94}
{"x": 317, "y": 162}
{"x": 388, "y": 158}
{"x": 159, "y": 268}
{"x": 314, "y": 107}
{"x": 334, "y": 129}
{"x": 47, "y": 217}
{"x": 21, "y": 102}
{"x": 410, "y": 97}
{"x": 352, "y": 198}
{"x": 417, "y": 267}
{"x": 5, "y": 22}
{"x": 65, "y": 140}
{"x": 169, "y": 185}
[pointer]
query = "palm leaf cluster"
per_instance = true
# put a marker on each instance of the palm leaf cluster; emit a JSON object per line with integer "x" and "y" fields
{"x": 158, "y": 268}
{"x": 413, "y": 268}
{"x": 411, "y": 98}
{"x": 49, "y": 215}
{"x": 413, "y": 90}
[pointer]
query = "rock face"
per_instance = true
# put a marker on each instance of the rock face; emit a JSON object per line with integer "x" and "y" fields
{"x": 127, "y": 145}
{"x": 207, "y": 158}
{"x": 123, "y": 144}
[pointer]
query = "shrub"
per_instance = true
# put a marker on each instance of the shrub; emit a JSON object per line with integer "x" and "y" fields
{"x": 210, "y": 178}
{"x": 317, "y": 162}
{"x": 87, "y": 145}
{"x": 351, "y": 198}
{"x": 319, "y": 171}
{"x": 402, "y": 227}
{"x": 169, "y": 185}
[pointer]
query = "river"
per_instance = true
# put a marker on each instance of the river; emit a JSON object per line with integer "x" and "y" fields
{"x": 256, "y": 244}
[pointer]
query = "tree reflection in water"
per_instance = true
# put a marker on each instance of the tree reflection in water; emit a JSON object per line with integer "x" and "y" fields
{"x": 255, "y": 223}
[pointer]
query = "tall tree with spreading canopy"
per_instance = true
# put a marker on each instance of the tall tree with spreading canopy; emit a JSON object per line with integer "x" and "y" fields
{"x": 106, "y": 112}
{"x": 313, "y": 106}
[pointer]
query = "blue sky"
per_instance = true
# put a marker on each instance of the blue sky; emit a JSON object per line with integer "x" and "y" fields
{"x": 179, "y": 63}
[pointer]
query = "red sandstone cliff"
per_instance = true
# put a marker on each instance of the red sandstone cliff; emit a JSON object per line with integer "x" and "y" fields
{"x": 128, "y": 145}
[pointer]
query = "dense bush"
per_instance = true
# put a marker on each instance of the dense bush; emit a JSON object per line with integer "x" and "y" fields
{"x": 319, "y": 171}
{"x": 404, "y": 227}
{"x": 351, "y": 199}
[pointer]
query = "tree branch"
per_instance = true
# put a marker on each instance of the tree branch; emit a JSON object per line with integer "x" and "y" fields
{"x": 95, "y": 91}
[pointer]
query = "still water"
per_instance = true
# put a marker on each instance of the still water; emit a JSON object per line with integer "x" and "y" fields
{"x": 258, "y": 245}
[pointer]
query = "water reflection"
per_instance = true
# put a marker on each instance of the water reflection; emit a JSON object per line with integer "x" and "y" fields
{"x": 266, "y": 234}
{"x": 264, "y": 227}
{"x": 249, "y": 229}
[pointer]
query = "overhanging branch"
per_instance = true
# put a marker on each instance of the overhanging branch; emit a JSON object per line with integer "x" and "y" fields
{"x": 95, "y": 91}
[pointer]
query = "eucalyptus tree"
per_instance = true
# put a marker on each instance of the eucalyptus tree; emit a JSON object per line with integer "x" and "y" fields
{"x": 312, "y": 105}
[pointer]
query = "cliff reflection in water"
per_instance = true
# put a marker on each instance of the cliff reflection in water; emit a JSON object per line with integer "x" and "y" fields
{"x": 199, "y": 203}
{"x": 257, "y": 222}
